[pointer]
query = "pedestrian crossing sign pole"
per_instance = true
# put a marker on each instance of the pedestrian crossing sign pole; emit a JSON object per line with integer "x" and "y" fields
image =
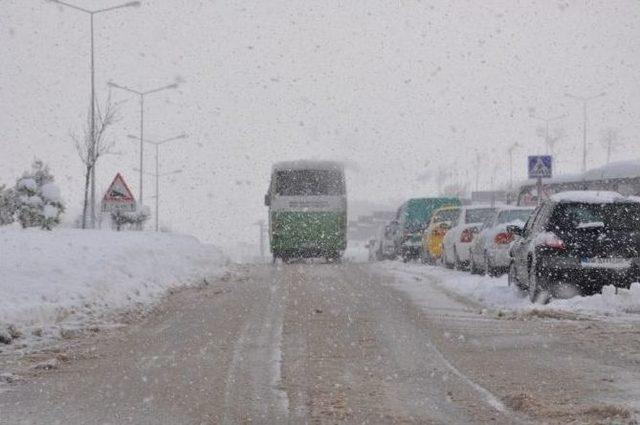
{"x": 540, "y": 167}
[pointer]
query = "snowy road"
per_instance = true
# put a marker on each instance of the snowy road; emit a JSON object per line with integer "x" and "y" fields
{"x": 315, "y": 343}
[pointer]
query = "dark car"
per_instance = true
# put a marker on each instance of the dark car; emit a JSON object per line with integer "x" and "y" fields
{"x": 578, "y": 241}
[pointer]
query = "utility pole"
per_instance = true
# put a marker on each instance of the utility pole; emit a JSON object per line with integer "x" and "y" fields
{"x": 584, "y": 100}
{"x": 510, "y": 152}
{"x": 477, "y": 170}
{"x": 261, "y": 225}
{"x": 142, "y": 94}
{"x": 157, "y": 173}
{"x": 92, "y": 148}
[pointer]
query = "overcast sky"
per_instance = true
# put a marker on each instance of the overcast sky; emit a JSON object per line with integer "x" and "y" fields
{"x": 397, "y": 88}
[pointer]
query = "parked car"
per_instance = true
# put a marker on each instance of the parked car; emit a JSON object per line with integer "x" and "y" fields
{"x": 412, "y": 217}
{"x": 577, "y": 241}
{"x": 432, "y": 237}
{"x": 457, "y": 241}
{"x": 490, "y": 248}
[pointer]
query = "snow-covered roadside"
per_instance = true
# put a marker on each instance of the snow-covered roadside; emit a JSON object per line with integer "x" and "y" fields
{"x": 356, "y": 252}
{"x": 69, "y": 278}
{"x": 494, "y": 293}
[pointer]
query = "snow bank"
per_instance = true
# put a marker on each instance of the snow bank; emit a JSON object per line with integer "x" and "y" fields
{"x": 494, "y": 293}
{"x": 76, "y": 277}
{"x": 356, "y": 252}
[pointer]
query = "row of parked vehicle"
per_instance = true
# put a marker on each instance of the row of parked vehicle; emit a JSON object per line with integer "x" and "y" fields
{"x": 573, "y": 242}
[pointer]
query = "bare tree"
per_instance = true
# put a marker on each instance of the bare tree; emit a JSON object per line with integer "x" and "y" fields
{"x": 91, "y": 148}
{"x": 610, "y": 140}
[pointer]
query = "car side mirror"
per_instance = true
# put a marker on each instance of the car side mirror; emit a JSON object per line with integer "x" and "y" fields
{"x": 516, "y": 230}
{"x": 267, "y": 200}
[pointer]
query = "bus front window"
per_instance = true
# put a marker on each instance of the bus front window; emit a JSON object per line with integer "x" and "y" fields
{"x": 309, "y": 183}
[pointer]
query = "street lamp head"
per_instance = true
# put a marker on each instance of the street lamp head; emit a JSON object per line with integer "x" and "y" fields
{"x": 133, "y": 4}
{"x": 131, "y": 136}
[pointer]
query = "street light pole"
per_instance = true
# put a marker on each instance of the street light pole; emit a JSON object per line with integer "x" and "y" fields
{"x": 92, "y": 147}
{"x": 141, "y": 94}
{"x": 546, "y": 121}
{"x": 584, "y": 100}
{"x": 92, "y": 152}
{"x": 510, "y": 151}
{"x": 157, "y": 173}
{"x": 157, "y": 177}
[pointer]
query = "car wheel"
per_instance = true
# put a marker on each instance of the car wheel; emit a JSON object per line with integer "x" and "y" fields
{"x": 512, "y": 279}
{"x": 445, "y": 260}
{"x": 457, "y": 264}
{"x": 538, "y": 288}
{"x": 473, "y": 267}
{"x": 488, "y": 268}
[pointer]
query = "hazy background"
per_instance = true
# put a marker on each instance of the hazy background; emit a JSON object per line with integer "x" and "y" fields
{"x": 397, "y": 88}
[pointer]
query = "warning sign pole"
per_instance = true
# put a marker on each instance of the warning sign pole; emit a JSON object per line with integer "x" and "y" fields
{"x": 539, "y": 189}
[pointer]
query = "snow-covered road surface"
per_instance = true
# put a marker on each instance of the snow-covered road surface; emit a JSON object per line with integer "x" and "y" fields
{"x": 317, "y": 343}
{"x": 495, "y": 293}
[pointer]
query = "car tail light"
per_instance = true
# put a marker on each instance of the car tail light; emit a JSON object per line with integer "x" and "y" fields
{"x": 503, "y": 238}
{"x": 467, "y": 234}
{"x": 550, "y": 240}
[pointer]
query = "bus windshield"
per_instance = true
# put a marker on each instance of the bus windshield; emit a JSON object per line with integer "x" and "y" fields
{"x": 309, "y": 183}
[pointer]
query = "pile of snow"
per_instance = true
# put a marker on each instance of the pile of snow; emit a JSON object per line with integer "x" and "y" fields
{"x": 495, "y": 293}
{"x": 72, "y": 277}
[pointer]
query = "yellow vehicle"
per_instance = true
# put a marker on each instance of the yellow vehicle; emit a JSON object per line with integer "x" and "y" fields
{"x": 441, "y": 221}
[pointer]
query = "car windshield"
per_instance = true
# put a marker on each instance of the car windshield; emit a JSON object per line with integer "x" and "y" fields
{"x": 479, "y": 215}
{"x": 613, "y": 216}
{"x": 509, "y": 216}
{"x": 446, "y": 215}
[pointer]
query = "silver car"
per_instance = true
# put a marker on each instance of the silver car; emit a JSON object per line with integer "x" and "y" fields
{"x": 490, "y": 249}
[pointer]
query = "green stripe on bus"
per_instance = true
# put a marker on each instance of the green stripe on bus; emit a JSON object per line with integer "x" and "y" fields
{"x": 294, "y": 230}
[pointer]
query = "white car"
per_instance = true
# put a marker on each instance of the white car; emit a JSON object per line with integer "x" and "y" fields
{"x": 490, "y": 249}
{"x": 458, "y": 240}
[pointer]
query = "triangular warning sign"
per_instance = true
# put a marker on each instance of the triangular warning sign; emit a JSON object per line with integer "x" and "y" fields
{"x": 118, "y": 191}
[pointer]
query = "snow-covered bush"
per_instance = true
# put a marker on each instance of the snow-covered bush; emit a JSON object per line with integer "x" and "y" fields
{"x": 133, "y": 219}
{"x": 38, "y": 201}
{"x": 7, "y": 205}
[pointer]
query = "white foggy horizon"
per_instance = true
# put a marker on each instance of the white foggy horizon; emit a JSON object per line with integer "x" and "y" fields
{"x": 393, "y": 88}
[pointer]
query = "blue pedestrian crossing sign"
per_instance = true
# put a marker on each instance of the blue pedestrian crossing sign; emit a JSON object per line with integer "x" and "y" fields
{"x": 540, "y": 166}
